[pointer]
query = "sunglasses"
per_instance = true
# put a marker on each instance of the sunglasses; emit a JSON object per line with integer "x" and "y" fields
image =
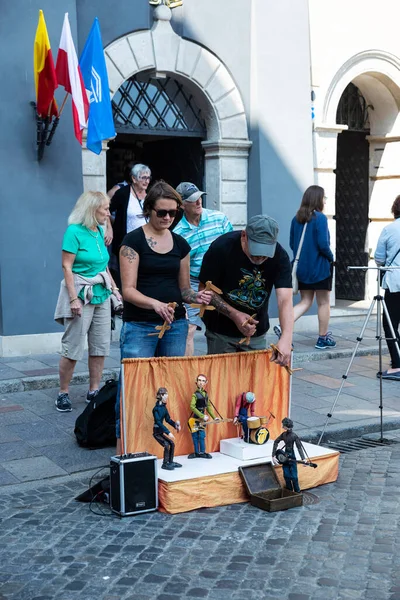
{"x": 162, "y": 213}
{"x": 145, "y": 178}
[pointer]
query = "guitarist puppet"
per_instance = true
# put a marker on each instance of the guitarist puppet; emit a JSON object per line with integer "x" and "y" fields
{"x": 200, "y": 403}
{"x": 289, "y": 464}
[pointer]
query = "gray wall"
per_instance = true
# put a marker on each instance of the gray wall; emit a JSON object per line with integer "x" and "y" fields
{"x": 282, "y": 158}
{"x": 36, "y": 197}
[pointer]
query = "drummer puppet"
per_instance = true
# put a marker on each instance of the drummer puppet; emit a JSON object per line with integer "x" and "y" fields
{"x": 244, "y": 401}
{"x": 289, "y": 438}
{"x": 200, "y": 403}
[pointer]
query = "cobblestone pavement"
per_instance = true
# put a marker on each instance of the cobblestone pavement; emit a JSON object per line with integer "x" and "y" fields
{"x": 343, "y": 547}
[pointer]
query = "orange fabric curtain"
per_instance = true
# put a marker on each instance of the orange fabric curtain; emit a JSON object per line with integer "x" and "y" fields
{"x": 228, "y": 376}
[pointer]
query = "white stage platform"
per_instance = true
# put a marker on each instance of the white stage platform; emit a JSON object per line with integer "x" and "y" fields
{"x": 213, "y": 482}
{"x": 237, "y": 448}
{"x": 229, "y": 460}
{"x": 203, "y": 467}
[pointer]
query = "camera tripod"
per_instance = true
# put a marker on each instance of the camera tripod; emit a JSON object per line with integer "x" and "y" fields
{"x": 381, "y": 308}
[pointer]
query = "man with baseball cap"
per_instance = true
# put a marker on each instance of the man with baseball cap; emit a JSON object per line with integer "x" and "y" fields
{"x": 246, "y": 265}
{"x": 199, "y": 227}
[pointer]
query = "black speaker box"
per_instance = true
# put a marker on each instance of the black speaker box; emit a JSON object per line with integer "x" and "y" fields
{"x": 133, "y": 484}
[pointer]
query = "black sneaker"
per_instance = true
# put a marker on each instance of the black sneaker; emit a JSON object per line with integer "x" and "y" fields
{"x": 176, "y": 465}
{"x": 194, "y": 455}
{"x": 205, "y": 455}
{"x": 167, "y": 466}
{"x": 91, "y": 395}
{"x": 63, "y": 403}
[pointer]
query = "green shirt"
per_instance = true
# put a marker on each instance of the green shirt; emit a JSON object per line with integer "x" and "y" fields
{"x": 91, "y": 256}
{"x": 208, "y": 407}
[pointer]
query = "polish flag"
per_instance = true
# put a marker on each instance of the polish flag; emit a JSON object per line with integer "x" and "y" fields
{"x": 70, "y": 77}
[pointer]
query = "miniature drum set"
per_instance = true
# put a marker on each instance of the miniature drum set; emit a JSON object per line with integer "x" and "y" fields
{"x": 257, "y": 429}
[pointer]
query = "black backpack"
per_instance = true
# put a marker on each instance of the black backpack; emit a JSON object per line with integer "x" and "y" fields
{"x": 95, "y": 427}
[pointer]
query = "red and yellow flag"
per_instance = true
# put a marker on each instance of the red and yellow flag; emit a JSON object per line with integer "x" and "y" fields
{"x": 44, "y": 71}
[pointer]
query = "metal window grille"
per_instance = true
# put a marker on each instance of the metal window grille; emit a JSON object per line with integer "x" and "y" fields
{"x": 157, "y": 106}
{"x": 353, "y": 109}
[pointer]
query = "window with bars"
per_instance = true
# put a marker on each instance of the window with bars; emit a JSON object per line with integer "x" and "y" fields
{"x": 353, "y": 109}
{"x": 157, "y": 106}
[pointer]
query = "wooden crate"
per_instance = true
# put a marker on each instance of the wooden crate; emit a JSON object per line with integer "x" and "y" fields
{"x": 265, "y": 491}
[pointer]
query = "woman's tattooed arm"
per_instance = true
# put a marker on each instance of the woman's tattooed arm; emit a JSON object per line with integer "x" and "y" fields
{"x": 188, "y": 296}
{"x": 128, "y": 253}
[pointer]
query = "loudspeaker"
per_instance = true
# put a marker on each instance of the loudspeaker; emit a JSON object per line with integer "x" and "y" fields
{"x": 133, "y": 484}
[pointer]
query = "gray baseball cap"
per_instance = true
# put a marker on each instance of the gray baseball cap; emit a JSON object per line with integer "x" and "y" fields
{"x": 189, "y": 191}
{"x": 262, "y": 234}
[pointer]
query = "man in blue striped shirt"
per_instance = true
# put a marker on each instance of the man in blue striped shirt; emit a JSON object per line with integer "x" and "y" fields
{"x": 199, "y": 227}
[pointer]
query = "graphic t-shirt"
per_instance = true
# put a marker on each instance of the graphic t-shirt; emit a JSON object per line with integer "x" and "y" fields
{"x": 245, "y": 286}
{"x": 158, "y": 275}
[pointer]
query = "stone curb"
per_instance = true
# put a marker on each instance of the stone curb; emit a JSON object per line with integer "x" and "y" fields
{"x": 339, "y": 432}
{"x": 331, "y": 354}
{"x": 43, "y": 382}
{"x": 27, "y": 384}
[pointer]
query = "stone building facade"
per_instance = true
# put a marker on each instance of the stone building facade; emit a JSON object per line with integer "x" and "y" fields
{"x": 253, "y": 100}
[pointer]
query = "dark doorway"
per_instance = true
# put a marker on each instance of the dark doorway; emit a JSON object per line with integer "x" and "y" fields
{"x": 352, "y": 195}
{"x": 173, "y": 159}
{"x": 351, "y": 214}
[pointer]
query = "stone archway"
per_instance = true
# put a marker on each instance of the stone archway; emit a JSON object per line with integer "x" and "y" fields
{"x": 161, "y": 51}
{"x": 377, "y": 75}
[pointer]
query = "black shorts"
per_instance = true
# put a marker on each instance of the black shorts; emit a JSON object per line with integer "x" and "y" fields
{"x": 324, "y": 284}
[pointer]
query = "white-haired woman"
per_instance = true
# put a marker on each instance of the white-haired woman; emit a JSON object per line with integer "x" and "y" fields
{"x": 83, "y": 305}
{"x": 127, "y": 205}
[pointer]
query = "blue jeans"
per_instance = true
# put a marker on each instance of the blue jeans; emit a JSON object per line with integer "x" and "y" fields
{"x": 290, "y": 474}
{"x": 199, "y": 441}
{"x": 243, "y": 421}
{"x": 136, "y": 343}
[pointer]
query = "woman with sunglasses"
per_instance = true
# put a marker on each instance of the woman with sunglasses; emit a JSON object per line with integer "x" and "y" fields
{"x": 154, "y": 263}
{"x": 127, "y": 205}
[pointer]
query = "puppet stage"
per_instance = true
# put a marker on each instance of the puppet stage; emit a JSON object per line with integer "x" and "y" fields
{"x": 201, "y": 482}
{"x": 204, "y": 483}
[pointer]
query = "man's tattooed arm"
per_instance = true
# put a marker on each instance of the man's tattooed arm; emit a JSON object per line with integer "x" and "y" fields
{"x": 221, "y": 305}
{"x": 128, "y": 253}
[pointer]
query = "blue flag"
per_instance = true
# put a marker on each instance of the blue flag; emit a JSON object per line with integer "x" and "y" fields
{"x": 94, "y": 73}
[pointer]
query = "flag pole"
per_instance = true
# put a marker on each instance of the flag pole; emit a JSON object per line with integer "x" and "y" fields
{"x": 63, "y": 104}
{"x": 56, "y": 121}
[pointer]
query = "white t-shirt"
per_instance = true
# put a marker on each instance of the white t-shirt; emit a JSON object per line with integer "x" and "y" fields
{"x": 134, "y": 215}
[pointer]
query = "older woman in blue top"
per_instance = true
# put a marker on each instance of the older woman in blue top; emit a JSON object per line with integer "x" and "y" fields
{"x": 314, "y": 270}
{"x": 387, "y": 253}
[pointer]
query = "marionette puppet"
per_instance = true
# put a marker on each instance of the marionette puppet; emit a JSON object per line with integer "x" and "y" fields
{"x": 199, "y": 405}
{"x": 244, "y": 402}
{"x": 286, "y": 456}
{"x": 161, "y": 433}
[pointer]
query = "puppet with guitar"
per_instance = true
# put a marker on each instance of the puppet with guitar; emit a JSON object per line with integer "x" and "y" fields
{"x": 287, "y": 457}
{"x": 200, "y": 404}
